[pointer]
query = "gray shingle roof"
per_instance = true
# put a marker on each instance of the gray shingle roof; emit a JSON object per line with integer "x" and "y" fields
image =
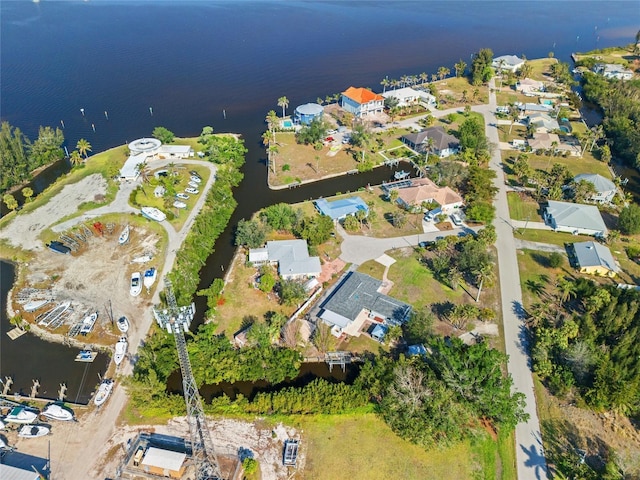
{"x": 441, "y": 139}
{"x": 358, "y": 291}
{"x": 293, "y": 257}
{"x": 576, "y": 215}
{"x": 601, "y": 183}
{"x": 592, "y": 254}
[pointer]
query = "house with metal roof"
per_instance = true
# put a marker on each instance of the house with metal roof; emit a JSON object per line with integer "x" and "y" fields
{"x": 575, "y": 218}
{"x": 595, "y": 259}
{"x": 605, "y": 188}
{"x": 292, "y": 257}
{"x": 434, "y": 139}
{"x": 361, "y": 102}
{"x": 408, "y": 96}
{"x": 357, "y": 299}
{"x": 512, "y": 63}
{"x": 305, "y": 114}
{"x": 543, "y": 123}
{"x": 342, "y": 208}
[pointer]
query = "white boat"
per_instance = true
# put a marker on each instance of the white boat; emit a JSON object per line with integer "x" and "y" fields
{"x": 55, "y": 411}
{"x": 1, "y": 425}
{"x": 87, "y": 356}
{"x": 136, "y": 284}
{"x": 153, "y": 213}
{"x": 3, "y": 444}
{"x": 88, "y": 322}
{"x": 34, "y": 305}
{"x": 21, "y": 415}
{"x": 143, "y": 258}
{"x": 123, "y": 324}
{"x": 34, "y": 431}
{"x": 54, "y": 314}
{"x": 121, "y": 350}
{"x": 150, "y": 276}
{"x": 124, "y": 236}
{"x": 104, "y": 390}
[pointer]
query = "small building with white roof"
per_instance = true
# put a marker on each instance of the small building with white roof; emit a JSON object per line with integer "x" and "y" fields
{"x": 291, "y": 256}
{"x": 165, "y": 463}
{"x": 146, "y": 149}
{"x": 512, "y": 63}
{"x": 408, "y": 96}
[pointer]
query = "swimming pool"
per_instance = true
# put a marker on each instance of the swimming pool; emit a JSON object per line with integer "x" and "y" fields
{"x": 547, "y": 102}
{"x": 287, "y": 124}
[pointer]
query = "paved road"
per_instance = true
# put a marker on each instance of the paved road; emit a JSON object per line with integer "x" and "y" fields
{"x": 531, "y": 464}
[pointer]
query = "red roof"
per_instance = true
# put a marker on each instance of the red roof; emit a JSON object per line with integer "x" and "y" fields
{"x": 361, "y": 95}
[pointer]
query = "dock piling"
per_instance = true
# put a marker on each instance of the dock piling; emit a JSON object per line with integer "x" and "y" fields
{"x": 8, "y": 381}
{"x": 62, "y": 392}
{"x": 34, "y": 388}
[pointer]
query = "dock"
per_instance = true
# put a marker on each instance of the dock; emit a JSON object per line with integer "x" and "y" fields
{"x": 290, "y": 454}
{"x": 86, "y": 356}
{"x": 335, "y": 358}
{"x": 15, "y": 333}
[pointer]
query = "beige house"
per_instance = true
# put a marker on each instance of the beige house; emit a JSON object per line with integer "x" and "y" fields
{"x": 423, "y": 191}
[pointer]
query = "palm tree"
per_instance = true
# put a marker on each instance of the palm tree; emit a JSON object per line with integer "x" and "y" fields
{"x": 484, "y": 274}
{"x": 476, "y": 93}
{"x": 385, "y": 83}
{"x": 284, "y": 103}
{"x": 460, "y": 67}
{"x": 566, "y": 289}
{"x": 75, "y": 158}
{"x": 514, "y": 115}
{"x": 443, "y": 72}
{"x": 84, "y": 147}
{"x": 273, "y": 151}
{"x": 423, "y": 78}
{"x": 434, "y": 77}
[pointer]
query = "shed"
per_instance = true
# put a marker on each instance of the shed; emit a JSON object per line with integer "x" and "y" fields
{"x": 258, "y": 256}
{"x": 378, "y": 333}
{"x": 164, "y": 462}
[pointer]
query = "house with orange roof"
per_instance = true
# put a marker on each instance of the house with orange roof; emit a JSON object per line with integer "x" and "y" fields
{"x": 424, "y": 193}
{"x": 361, "y": 101}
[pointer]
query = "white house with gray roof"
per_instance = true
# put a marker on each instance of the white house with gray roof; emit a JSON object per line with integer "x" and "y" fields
{"x": 595, "y": 259}
{"x": 292, "y": 257}
{"x": 605, "y": 188}
{"x": 408, "y": 96}
{"x": 357, "y": 298}
{"x": 575, "y": 218}
{"x": 512, "y": 63}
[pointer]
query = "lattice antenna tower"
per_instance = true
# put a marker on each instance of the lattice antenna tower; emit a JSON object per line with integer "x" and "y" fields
{"x": 204, "y": 457}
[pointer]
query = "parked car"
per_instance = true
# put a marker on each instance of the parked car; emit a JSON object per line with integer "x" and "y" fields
{"x": 192, "y": 191}
{"x": 195, "y": 179}
{"x": 329, "y": 139}
{"x": 455, "y": 218}
{"x": 346, "y": 139}
{"x": 183, "y": 196}
{"x": 193, "y": 184}
{"x": 193, "y": 173}
{"x": 332, "y": 132}
{"x": 429, "y": 217}
{"x": 179, "y": 204}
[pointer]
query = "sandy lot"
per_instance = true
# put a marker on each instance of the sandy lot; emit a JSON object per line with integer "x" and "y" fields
{"x": 23, "y": 230}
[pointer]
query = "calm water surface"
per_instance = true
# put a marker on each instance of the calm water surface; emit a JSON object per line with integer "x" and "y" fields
{"x": 190, "y": 60}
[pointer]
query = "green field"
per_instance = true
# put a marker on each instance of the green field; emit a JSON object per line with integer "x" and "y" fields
{"x": 523, "y": 208}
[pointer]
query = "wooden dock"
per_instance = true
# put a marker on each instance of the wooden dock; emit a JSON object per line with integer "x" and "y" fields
{"x": 16, "y": 332}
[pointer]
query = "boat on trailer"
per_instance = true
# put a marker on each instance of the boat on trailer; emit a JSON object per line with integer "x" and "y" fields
{"x": 135, "y": 286}
{"x": 88, "y": 322}
{"x": 153, "y": 213}
{"x": 121, "y": 350}
{"x": 290, "y": 454}
{"x": 55, "y": 411}
{"x": 59, "y": 247}
{"x": 54, "y": 314}
{"x": 21, "y": 414}
{"x": 143, "y": 258}
{"x": 34, "y": 431}
{"x": 34, "y": 305}
{"x": 123, "y": 324}
{"x": 124, "y": 236}
{"x": 104, "y": 390}
{"x": 150, "y": 276}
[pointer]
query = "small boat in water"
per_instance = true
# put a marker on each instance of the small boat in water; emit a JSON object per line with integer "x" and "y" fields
{"x": 150, "y": 276}
{"x": 20, "y": 414}
{"x": 124, "y": 236}
{"x": 143, "y": 258}
{"x": 87, "y": 356}
{"x": 34, "y": 305}
{"x": 88, "y": 323}
{"x": 55, "y": 411}
{"x": 34, "y": 431}
{"x": 153, "y": 213}
{"x": 136, "y": 284}
{"x": 121, "y": 350}
{"x": 104, "y": 390}
{"x": 123, "y": 324}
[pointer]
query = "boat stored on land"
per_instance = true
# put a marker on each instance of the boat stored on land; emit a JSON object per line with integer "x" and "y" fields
{"x": 124, "y": 236}
{"x": 150, "y": 276}
{"x": 88, "y": 322}
{"x": 59, "y": 247}
{"x": 290, "y": 454}
{"x": 153, "y": 213}
{"x": 21, "y": 414}
{"x": 123, "y": 324}
{"x": 34, "y": 305}
{"x": 34, "y": 431}
{"x": 86, "y": 356}
{"x": 121, "y": 350}
{"x": 54, "y": 314}
{"x": 143, "y": 258}
{"x": 136, "y": 284}
{"x": 104, "y": 390}
{"x": 55, "y": 411}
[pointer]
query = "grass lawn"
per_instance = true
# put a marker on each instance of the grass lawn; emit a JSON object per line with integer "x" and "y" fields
{"x": 540, "y": 66}
{"x": 522, "y": 207}
{"x": 364, "y": 447}
{"x": 549, "y": 236}
{"x": 455, "y": 87}
{"x": 619, "y": 55}
{"x": 576, "y": 165}
{"x": 537, "y": 278}
{"x": 372, "y": 268}
{"x": 517, "y": 132}
{"x": 507, "y": 96}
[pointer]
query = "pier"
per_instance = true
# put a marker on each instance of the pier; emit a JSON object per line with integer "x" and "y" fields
{"x": 335, "y": 358}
